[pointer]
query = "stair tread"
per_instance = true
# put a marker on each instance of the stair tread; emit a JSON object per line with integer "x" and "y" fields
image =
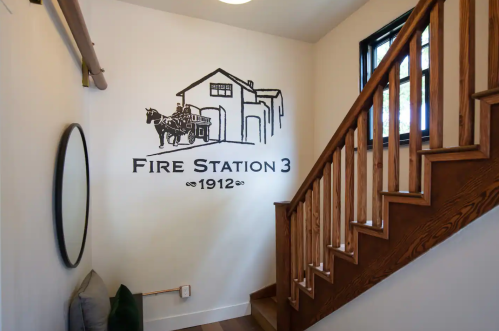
{"x": 402, "y": 194}
{"x": 267, "y": 308}
{"x": 486, "y": 93}
{"x": 340, "y": 249}
{"x": 369, "y": 225}
{"x": 321, "y": 269}
{"x": 303, "y": 284}
{"x": 456, "y": 149}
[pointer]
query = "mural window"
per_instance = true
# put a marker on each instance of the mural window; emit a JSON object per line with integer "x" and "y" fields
{"x": 372, "y": 51}
{"x": 221, "y": 90}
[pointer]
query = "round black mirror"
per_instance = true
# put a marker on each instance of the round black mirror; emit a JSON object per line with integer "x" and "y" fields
{"x": 72, "y": 195}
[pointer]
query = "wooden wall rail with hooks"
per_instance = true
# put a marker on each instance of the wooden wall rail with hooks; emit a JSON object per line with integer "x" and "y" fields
{"x": 72, "y": 12}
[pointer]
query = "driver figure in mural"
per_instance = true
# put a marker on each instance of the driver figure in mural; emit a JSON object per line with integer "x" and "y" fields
{"x": 179, "y": 108}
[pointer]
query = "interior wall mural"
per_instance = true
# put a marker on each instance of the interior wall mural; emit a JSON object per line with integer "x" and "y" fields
{"x": 218, "y": 109}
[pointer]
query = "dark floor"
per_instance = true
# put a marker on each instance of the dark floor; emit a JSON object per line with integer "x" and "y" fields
{"x": 246, "y": 323}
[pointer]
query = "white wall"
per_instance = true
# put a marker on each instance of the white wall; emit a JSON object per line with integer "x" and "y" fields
{"x": 452, "y": 287}
{"x": 151, "y": 231}
{"x": 41, "y": 94}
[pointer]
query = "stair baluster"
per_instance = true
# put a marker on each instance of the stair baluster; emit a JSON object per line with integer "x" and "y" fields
{"x": 316, "y": 224}
{"x": 309, "y": 242}
{"x": 467, "y": 72}
{"x": 362, "y": 168}
{"x": 337, "y": 198}
{"x": 299, "y": 243}
{"x": 294, "y": 256}
{"x": 394, "y": 130}
{"x": 377, "y": 156}
{"x": 349, "y": 191}
{"x": 493, "y": 44}
{"x": 437, "y": 76}
{"x": 326, "y": 218}
{"x": 415, "y": 138}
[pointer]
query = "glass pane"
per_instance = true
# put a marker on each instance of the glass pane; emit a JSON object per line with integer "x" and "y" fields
{"x": 381, "y": 52}
{"x": 386, "y": 112}
{"x": 426, "y": 36}
{"x": 423, "y": 107}
{"x": 405, "y": 108}
{"x": 404, "y": 68}
{"x": 214, "y": 92}
{"x": 425, "y": 57}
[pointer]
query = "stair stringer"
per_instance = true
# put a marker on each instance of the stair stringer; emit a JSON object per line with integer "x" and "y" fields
{"x": 318, "y": 304}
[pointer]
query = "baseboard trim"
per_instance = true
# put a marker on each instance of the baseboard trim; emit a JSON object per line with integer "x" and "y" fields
{"x": 198, "y": 318}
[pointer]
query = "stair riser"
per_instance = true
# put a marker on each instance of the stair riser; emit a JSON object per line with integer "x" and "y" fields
{"x": 266, "y": 326}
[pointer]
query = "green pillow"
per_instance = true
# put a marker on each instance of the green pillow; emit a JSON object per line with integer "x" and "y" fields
{"x": 124, "y": 314}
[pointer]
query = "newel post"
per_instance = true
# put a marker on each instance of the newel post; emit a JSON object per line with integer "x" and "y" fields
{"x": 283, "y": 264}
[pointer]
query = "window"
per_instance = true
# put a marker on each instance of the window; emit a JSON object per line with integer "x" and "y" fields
{"x": 221, "y": 90}
{"x": 372, "y": 51}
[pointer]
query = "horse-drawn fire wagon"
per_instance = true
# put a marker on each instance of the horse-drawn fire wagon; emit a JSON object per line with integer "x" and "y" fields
{"x": 179, "y": 124}
{"x": 192, "y": 125}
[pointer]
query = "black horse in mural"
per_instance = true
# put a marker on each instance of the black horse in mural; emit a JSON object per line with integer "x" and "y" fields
{"x": 179, "y": 124}
{"x": 164, "y": 124}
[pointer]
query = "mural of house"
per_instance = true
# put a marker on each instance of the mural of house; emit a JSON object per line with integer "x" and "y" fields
{"x": 238, "y": 111}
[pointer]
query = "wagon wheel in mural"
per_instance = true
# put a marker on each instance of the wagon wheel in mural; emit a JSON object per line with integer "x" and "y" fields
{"x": 206, "y": 136}
{"x": 191, "y": 136}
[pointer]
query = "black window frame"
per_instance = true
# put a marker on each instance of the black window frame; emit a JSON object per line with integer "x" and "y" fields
{"x": 217, "y": 88}
{"x": 367, "y": 62}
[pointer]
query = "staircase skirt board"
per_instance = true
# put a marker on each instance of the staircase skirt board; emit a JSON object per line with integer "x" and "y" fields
{"x": 461, "y": 187}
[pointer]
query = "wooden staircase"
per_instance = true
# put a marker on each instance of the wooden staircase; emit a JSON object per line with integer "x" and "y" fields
{"x": 449, "y": 187}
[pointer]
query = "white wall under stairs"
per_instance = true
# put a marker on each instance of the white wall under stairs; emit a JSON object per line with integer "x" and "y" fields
{"x": 453, "y": 287}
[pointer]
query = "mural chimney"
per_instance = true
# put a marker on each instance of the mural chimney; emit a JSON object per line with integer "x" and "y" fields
{"x": 250, "y": 83}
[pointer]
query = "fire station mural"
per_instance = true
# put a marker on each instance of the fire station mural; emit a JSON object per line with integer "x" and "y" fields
{"x": 217, "y": 109}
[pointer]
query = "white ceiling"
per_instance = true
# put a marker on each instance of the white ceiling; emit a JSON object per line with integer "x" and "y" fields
{"x": 306, "y": 20}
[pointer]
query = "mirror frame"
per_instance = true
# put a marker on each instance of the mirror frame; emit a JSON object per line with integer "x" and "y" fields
{"x": 61, "y": 157}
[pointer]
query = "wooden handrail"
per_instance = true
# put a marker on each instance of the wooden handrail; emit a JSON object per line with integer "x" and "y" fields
{"x": 418, "y": 19}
